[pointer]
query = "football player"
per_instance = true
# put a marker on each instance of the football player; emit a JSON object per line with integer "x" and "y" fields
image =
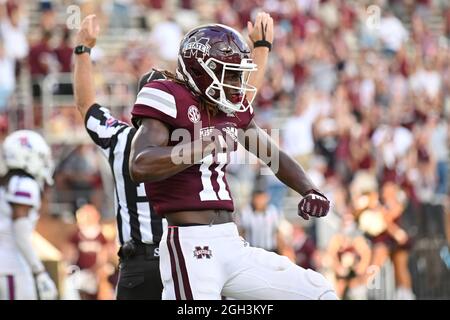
{"x": 114, "y": 142}
{"x": 30, "y": 167}
{"x": 209, "y": 97}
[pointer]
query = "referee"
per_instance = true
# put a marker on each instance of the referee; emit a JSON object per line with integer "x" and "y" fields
{"x": 139, "y": 227}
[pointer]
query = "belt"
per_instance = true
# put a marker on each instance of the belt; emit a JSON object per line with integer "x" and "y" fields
{"x": 132, "y": 249}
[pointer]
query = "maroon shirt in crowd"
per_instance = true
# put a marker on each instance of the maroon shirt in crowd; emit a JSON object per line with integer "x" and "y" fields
{"x": 37, "y": 53}
{"x": 304, "y": 254}
{"x": 64, "y": 55}
{"x": 88, "y": 248}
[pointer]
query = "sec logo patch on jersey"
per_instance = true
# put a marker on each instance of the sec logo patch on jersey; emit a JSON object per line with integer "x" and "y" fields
{"x": 193, "y": 114}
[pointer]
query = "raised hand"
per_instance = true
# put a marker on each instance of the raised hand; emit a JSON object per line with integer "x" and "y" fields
{"x": 89, "y": 31}
{"x": 262, "y": 30}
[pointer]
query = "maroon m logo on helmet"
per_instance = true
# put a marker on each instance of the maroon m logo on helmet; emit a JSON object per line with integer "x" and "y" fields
{"x": 204, "y": 252}
{"x": 196, "y": 48}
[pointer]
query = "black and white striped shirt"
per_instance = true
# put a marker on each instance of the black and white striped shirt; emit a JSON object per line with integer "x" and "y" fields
{"x": 135, "y": 216}
{"x": 260, "y": 227}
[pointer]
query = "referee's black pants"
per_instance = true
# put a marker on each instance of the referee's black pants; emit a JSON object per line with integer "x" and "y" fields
{"x": 139, "y": 276}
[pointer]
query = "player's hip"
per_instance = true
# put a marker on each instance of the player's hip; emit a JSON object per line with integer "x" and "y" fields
{"x": 199, "y": 218}
{"x": 201, "y": 232}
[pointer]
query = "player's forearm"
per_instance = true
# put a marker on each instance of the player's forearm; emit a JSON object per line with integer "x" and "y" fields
{"x": 23, "y": 230}
{"x": 83, "y": 83}
{"x": 260, "y": 57}
{"x": 153, "y": 164}
{"x": 158, "y": 163}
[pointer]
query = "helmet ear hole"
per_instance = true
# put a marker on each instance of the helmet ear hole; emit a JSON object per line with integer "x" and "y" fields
{"x": 212, "y": 65}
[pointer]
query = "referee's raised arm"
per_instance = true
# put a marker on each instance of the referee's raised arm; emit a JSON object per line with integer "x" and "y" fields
{"x": 83, "y": 81}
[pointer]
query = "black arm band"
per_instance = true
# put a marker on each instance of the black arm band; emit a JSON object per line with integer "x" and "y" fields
{"x": 262, "y": 43}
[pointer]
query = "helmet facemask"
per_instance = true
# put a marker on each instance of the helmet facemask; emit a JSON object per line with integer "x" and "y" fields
{"x": 224, "y": 90}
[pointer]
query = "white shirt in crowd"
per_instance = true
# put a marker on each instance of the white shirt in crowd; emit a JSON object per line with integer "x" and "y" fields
{"x": 394, "y": 142}
{"x": 392, "y": 32}
{"x": 426, "y": 81}
{"x": 14, "y": 39}
{"x": 298, "y": 132}
{"x": 166, "y": 37}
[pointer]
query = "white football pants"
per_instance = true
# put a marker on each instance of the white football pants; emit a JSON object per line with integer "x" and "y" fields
{"x": 208, "y": 262}
{"x": 17, "y": 287}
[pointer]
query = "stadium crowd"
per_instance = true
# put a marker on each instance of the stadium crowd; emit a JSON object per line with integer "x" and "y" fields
{"x": 362, "y": 102}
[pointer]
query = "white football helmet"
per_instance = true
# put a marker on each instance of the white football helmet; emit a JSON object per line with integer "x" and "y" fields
{"x": 28, "y": 151}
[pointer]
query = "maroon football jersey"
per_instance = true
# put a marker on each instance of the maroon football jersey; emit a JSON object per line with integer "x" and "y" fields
{"x": 202, "y": 186}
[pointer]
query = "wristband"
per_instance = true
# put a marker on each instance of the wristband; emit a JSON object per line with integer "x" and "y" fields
{"x": 262, "y": 43}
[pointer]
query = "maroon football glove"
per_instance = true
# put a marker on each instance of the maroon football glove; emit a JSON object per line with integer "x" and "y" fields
{"x": 313, "y": 204}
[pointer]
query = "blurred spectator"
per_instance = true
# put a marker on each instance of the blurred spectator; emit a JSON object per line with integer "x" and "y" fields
{"x": 304, "y": 248}
{"x": 167, "y": 35}
{"x": 380, "y": 220}
{"x": 277, "y": 192}
{"x": 322, "y": 68}
{"x": 361, "y": 153}
{"x": 14, "y": 26}
{"x": 120, "y": 16}
{"x": 78, "y": 178}
{"x": 13, "y": 48}
{"x": 88, "y": 251}
{"x": 391, "y": 32}
{"x": 64, "y": 54}
{"x": 350, "y": 255}
{"x": 393, "y": 199}
{"x": 300, "y": 127}
{"x": 41, "y": 61}
{"x": 440, "y": 134}
{"x": 392, "y": 143}
{"x": 259, "y": 222}
{"x": 47, "y": 16}
{"x": 426, "y": 81}
{"x": 7, "y": 79}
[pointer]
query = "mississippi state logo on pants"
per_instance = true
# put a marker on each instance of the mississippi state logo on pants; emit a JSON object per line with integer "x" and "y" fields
{"x": 204, "y": 252}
